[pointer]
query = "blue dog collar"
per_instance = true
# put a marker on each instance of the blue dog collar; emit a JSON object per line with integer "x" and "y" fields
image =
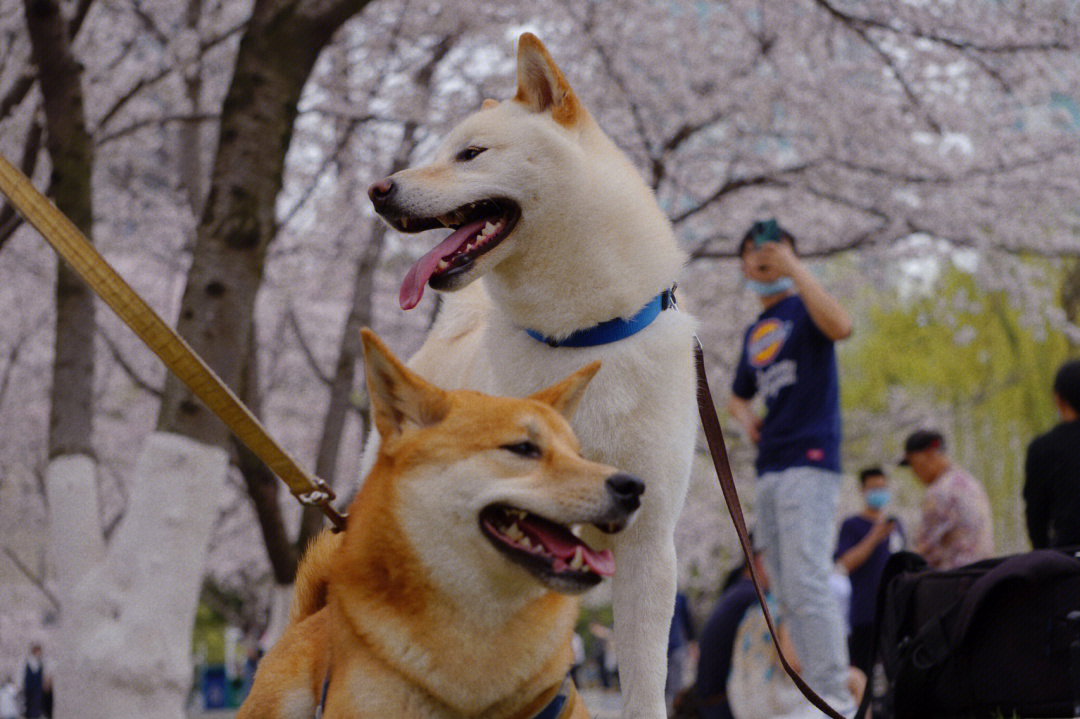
{"x": 559, "y": 703}
{"x": 613, "y": 330}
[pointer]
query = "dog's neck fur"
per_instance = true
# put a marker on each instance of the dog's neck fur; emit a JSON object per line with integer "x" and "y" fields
{"x": 392, "y": 593}
{"x": 559, "y": 283}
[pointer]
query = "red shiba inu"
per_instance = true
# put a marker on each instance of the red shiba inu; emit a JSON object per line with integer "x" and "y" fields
{"x": 449, "y": 594}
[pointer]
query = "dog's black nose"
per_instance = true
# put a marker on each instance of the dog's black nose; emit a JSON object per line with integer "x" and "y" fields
{"x": 627, "y": 491}
{"x": 381, "y": 192}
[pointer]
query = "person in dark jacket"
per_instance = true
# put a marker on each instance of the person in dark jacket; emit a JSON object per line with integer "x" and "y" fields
{"x": 717, "y": 640}
{"x": 1052, "y": 470}
{"x": 33, "y": 686}
{"x": 682, "y": 648}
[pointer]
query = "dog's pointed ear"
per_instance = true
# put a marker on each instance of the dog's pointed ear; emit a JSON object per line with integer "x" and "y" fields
{"x": 566, "y": 395}
{"x": 541, "y": 85}
{"x": 400, "y": 398}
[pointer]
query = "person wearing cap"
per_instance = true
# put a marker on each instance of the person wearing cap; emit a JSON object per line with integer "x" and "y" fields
{"x": 956, "y": 527}
{"x": 788, "y": 360}
{"x": 1052, "y": 470}
{"x": 865, "y": 543}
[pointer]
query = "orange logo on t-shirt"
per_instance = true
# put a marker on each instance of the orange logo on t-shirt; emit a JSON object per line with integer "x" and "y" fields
{"x": 766, "y": 340}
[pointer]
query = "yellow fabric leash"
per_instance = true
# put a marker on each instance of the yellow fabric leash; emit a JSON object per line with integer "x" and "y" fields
{"x": 177, "y": 355}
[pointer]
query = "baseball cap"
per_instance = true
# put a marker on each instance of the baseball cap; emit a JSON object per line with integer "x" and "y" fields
{"x": 919, "y": 440}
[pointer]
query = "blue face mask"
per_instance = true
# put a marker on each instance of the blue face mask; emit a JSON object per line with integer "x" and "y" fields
{"x": 764, "y": 289}
{"x": 877, "y": 498}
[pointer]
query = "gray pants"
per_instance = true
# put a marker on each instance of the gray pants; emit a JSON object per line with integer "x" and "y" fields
{"x": 795, "y": 528}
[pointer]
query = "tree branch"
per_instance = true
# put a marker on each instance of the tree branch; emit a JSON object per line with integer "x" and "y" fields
{"x": 309, "y": 190}
{"x": 18, "y": 91}
{"x": 157, "y": 77}
{"x": 860, "y": 28}
{"x": 9, "y": 219}
{"x": 132, "y": 375}
{"x": 1007, "y": 48}
{"x": 777, "y": 178}
{"x": 34, "y": 579}
{"x": 305, "y": 348}
{"x": 155, "y": 122}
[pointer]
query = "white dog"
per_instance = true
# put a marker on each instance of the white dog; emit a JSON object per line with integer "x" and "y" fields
{"x": 571, "y": 245}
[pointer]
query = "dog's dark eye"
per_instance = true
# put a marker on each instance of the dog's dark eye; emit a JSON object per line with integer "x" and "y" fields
{"x": 469, "y": 153}
{"x": 524, "y": 449}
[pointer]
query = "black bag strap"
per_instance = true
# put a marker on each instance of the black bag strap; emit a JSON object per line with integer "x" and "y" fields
{"x": 897, "y": 564}
{"x": 1041, "y": 565}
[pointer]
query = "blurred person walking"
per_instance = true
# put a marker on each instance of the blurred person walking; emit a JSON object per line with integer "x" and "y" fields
{"x": 865, "y": 543}
{"x": 9, "y": 699}
{"x": 788, "y": 359}
{"x": 1052, "y": 470}
{"x": 33, "y": 686}
{"x": 955, "y": 527}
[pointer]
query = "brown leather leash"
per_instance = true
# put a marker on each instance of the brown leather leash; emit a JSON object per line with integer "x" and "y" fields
{"x": 162, "y": 340}
{"x": 718, "y": 451}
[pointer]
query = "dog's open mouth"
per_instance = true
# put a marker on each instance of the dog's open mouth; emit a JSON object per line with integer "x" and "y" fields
{"x": 550, "y": 551}
{"x": 478, "y": 228}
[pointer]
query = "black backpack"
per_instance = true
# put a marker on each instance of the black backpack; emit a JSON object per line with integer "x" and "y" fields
{"x": 991, "y": 639}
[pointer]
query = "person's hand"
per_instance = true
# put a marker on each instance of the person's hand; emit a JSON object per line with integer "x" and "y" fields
{"x": 776, "y": 257}
{"x": 752, "y": 428}
{"x": 881, "y": 529}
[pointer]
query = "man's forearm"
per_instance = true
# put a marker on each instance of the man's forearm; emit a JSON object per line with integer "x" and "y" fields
{"x": 855, "y": 557}
{"x": 741, "y": 410}
{"x": 826, "y": 313}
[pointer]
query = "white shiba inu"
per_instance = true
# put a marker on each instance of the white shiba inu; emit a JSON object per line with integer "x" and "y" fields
{"x": 567, "y": 238}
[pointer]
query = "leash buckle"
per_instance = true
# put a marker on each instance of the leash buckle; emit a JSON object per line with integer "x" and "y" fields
{"x": 318, "y": 496}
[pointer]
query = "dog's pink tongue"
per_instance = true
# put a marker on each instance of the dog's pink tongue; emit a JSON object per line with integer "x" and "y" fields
{"x": 563, "y": 546}
{"x": 412, "y": 287}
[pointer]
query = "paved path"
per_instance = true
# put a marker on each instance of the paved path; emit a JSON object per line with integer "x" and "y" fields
{"x": 601, "y": 705}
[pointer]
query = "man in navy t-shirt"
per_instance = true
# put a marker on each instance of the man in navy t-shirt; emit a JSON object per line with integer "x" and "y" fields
{"x": 866, "y": 542}
{"x": 789, "y": 361}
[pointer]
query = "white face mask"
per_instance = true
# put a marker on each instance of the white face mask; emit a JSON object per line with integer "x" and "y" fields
{"x": 877, "y": 498}
{"x": 765, "y": 289}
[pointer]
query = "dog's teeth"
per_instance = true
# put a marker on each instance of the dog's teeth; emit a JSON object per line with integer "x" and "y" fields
{"x": 404, "y": 223}
{"x": 525, "y": 543}
{"x": 578, "y": 562}
{"x": 443, "y": 264}
{"x": 514, "y": 532}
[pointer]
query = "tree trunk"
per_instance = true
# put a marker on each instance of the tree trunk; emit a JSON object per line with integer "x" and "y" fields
{"x": 125, "y": 636}
{"x": 189, "y": 152}
{"x": 275, "y": 58}
{"x": 71, "y": 152}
